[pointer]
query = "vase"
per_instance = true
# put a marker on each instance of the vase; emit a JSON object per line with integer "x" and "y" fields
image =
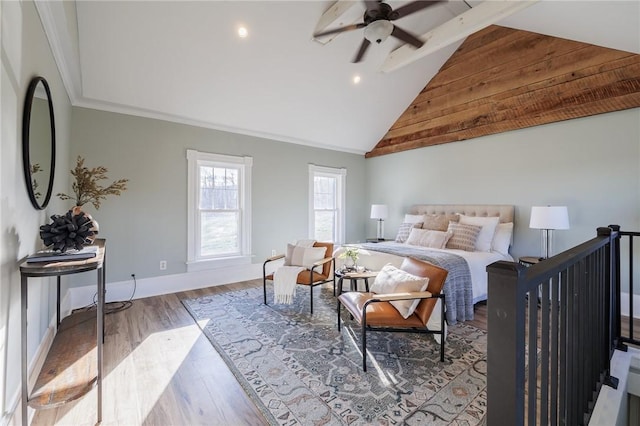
{"x": 94, "y": 228}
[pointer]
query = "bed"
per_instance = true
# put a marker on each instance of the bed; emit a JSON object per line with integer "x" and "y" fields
{"x": 448, "y": 236}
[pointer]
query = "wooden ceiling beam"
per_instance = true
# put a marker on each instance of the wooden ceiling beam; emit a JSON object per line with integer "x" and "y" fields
{"x": 458, "y": 28}
{"x": 333, "y": 14}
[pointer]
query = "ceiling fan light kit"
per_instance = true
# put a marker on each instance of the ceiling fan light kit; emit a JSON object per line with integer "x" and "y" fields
{"x": 378, "y": 31}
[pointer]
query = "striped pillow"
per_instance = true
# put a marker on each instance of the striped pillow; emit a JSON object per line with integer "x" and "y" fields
{"x": 405, "y": 229}
{"x": 463, "y": 237}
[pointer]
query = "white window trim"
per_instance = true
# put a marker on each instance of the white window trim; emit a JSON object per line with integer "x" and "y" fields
{"x": 332, "y": 172}
{"x": 193, "y": 160}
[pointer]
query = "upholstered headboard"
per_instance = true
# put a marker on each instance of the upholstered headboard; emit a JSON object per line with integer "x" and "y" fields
{"x": 506, "y": 212}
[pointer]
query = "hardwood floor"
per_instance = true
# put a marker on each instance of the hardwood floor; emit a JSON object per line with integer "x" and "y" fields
{"x": 161, "y": 370}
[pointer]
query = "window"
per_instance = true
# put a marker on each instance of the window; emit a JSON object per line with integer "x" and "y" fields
{"x": 219, "y": 223}
{"x": 326, "y": 203}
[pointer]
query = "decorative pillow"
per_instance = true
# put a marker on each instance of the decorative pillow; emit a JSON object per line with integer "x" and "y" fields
{"x": 463, "y": 236}
{"x": 428, "y": 238}
{"x": 405, "y": 229}
{"x": 303, "y": 256}
{"x": 413, "y": 218}
{"x": 393, "y": 280}
{"x": 502, "y": 238}
{"x": 439, "y": 222}
{"x": 488, "y": 224}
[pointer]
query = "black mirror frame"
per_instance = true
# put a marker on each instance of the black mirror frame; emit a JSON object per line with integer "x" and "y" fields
{"x": 26, "y": 163}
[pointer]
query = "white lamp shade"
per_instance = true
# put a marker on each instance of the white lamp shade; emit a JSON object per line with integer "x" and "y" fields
{"x": 549, "y": 217}
{"x": 379, "y": 211}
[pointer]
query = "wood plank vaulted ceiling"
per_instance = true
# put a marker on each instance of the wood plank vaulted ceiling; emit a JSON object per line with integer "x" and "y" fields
{"x": 501, "y": 79}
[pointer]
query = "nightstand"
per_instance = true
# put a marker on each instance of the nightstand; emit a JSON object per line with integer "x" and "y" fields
{"x": 529, "y": 260}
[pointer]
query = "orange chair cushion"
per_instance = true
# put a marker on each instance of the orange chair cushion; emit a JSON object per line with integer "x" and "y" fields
{"x": 383, "y": 314}
{"x": 304, "y": 277}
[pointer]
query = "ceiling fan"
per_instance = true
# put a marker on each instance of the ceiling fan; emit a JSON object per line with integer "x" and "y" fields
{"x": 378, "y": 26}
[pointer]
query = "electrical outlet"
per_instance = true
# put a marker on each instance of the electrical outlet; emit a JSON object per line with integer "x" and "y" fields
{"x": 163, "y": 265}
{"x": 273, "y": 252}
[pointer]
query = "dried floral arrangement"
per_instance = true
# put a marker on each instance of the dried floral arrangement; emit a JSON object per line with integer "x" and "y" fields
{"x": 350, "y": 252}
{"x": 35, "y": 168}
{"x": 87, "y": 188}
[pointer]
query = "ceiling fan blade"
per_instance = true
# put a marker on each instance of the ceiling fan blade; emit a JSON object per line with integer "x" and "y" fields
{"x": 406, "y": 37}
{"x": 410, "y": 8}
{"x": 363, "y": 48}
{"x": 341, "y": 29}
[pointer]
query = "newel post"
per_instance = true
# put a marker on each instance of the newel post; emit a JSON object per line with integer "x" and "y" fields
{"x": 616, "y": 291}
{"x": 505, "y": 344}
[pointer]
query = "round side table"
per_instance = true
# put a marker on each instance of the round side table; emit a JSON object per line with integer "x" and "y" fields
{"x": 353, "y": 277}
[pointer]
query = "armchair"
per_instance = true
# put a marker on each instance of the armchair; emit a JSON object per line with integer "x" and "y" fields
{"x": 374, "y": 312}
{"x": 321, "y": 272}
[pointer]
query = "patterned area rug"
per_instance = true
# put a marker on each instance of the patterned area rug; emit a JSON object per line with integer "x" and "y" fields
{"x": 300, "y": 371}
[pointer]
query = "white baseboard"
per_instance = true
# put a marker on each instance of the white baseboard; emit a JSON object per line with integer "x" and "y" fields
{"x": 78, "y": 297}
{"x": 624, "y": 304}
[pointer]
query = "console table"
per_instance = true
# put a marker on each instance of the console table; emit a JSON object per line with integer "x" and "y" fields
{"x": 57, "y": 389}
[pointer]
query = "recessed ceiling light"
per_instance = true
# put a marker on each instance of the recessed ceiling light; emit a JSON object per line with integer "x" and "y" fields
{"x": 242, "y": 32}
{"x": 356, "y": 79}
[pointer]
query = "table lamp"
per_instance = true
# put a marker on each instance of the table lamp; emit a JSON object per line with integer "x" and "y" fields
{"x": 379, "y": 212}
{"x": 547, "y": 219}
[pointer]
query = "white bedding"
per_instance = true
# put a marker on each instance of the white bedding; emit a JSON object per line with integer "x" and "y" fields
{"x": 476, "y": 260}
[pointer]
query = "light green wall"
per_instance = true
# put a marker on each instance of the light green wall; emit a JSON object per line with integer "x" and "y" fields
{"x": 148, "y": 222}
{"x": 590, "y": 165}
{"x": 25, "y": 54}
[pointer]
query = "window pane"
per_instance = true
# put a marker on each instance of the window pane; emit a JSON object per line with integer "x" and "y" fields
{"x": 218, "y": 188}
{"x": 324, "y": 192}
{"x": 325, "y": 225}
{"x": 219, "y": 233}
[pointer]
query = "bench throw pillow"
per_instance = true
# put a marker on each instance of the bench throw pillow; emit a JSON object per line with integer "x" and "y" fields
{"x": 393, "y": 280}
{"x": 303, "y": 256}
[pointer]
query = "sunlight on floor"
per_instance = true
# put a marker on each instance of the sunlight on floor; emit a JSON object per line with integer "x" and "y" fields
{"x": 370, "y": 358}
{"x": 146, "y": 382}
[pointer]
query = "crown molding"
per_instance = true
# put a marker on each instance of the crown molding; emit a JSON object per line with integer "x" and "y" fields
{"x": 174, "y": 118}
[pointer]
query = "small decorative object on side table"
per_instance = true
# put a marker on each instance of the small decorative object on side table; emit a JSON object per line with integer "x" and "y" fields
{"x": 529, "y": 260}
{"x": 353, "y": 277}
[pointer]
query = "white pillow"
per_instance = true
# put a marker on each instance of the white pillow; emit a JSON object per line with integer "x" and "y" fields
{"x": 488, "y": 224}
{"x": 428, "y": 238}
{"x": 303, "y": 256}
{"x": 393, "y": 280}
{"x": 413, "y": 218}
{"x": 502, "y": 238}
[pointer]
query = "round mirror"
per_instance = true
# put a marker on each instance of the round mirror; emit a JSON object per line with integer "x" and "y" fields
{"x": 38, "y": 143}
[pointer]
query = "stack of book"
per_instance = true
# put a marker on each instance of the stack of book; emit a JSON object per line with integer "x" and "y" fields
{"x": 87, "y": 252}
